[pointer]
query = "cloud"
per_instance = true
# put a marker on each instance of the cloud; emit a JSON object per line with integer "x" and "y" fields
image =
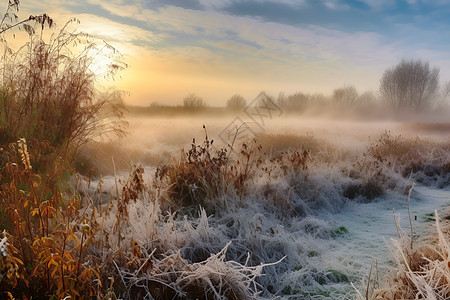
{"x": 117, "y": 33}
{"x": 188, "y": 4}
{"x": 336, "y": 5}
{"x": 279, "y": 43}
{"x": 119, "y": 8}
{"x": 219, "y": 4}
{"x": 172, "y": 28}
{"x": 379, "y": 4}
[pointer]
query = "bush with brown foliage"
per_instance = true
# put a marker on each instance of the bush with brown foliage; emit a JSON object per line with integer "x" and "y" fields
{"x": 48, "y": 95}
{"x": 204, "y": 173}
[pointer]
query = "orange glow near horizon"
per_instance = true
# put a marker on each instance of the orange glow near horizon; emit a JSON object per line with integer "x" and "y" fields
{"x": 173, "y": 50}
{"x": 151, "y": 78}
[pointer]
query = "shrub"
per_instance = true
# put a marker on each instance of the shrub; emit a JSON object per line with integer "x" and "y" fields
{"x": 45, "y": 248}
{"x": 48, "y": 95}
{"x": 236, "y": 103}
{"x": 198, "y": 175}
{"x": 203, "y": 174}
{"x": 346, "y": 95}
{"x": 193, "y": 102}
{"x": 388, "y": 145}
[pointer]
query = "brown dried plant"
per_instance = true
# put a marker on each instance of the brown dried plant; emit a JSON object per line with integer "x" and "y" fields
{"x": 47, "y": 234}
{"x": 204, "y": 173}
{"x": 50, "y": 107}
{"x": 48, "y": 93}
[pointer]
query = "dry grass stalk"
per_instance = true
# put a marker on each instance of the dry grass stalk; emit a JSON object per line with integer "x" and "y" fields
{"x": 423, "y": 272}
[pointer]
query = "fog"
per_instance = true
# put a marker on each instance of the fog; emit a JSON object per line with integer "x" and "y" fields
{"x": 313, "y": 194}
{"x": 153, "y": 140}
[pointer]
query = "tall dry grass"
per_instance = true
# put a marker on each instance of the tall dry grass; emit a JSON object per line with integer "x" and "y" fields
{"x": 61, "y": 245}
{"x": 204, "y": 173}
{"x": 48, "y": 95}
{"x": 49, "y": 108}
{"x": 57, "y": 244}
{"x": 422, "y": 271}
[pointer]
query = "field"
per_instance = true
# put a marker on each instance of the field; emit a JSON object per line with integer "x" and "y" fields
{"x": 301, "y": 197}
{"x": 301, "y": 210}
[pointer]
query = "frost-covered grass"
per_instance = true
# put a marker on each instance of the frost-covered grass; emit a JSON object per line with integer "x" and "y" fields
{"x": 278, "y": 212}
{"x": 258, "y": 220}
{"x": 422, "y": 272}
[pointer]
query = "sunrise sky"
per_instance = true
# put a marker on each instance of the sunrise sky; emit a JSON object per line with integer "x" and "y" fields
{"x": 218, "y": 48}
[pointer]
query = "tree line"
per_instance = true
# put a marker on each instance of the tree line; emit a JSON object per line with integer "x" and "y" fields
{"x": 410, "y": 85}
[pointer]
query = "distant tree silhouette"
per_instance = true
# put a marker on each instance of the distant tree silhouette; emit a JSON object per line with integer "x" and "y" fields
{"x": 410, "y": 85}
{"x": 297, "y": 101}
{"x": 368, "y": 97}
{"x": 345, "y": 95}
{"x": 193, "y": 102}
{"x": 236, "y": 102}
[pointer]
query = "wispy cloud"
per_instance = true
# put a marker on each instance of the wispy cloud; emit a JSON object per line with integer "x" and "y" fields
{"x": 283, "y": 41}
{"x": 336, "y": 5}
{"x": 380, "y": 4}
{"x": 217, "y": 4}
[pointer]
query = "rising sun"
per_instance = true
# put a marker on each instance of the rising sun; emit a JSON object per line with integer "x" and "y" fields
{"x": 106, "y": 61}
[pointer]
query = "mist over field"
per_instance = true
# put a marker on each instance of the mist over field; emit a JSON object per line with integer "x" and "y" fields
{"x": 314, "y": 194}
{"x": 154, "y": 139}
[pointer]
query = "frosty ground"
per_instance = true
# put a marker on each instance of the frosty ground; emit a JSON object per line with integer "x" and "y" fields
{"x": 317, "y": 198}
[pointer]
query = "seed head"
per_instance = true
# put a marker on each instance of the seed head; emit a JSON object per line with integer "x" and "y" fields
{"x": 23, "y": 150}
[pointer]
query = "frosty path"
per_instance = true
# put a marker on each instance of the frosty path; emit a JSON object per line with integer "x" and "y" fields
{"x": 370, "y": 224}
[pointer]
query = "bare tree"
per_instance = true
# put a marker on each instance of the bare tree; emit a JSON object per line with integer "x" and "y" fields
{"x": 193, "y": 101}
{"x": 444, "y": 95}
{"x": 236, "y": 102}
{"x": 345, "y": 95}
{"x": 410, "y": 85}
{"x": 367, "y": 98}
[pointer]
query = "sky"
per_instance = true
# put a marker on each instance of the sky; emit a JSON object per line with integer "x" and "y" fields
{"x": 219, "y": 48}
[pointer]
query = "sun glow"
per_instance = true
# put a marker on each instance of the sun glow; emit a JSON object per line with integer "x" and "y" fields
{"x": 100, "y": 65}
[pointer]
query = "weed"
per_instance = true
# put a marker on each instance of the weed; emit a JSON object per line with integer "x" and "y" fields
{"x": 198, "y": 176}
{"x": 369, "y": 190}
{"x": 340, "y": 231}
{"x": 422, "y": 272}
{"x": 203, "y": 174}
{"x": 49, "y": 97}
{"x": 313, "y": 253}
{"x": 43, "y": 248}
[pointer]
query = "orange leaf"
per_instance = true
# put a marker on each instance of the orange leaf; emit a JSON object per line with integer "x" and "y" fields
{"x": 86, "y": 273}
{"x": 72, "y": 237}
{"x": 74, "y": 291}
{"x": 54, "y": 271}
{"x": 68, "y": 256}
{"x": 17, "y": 260}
